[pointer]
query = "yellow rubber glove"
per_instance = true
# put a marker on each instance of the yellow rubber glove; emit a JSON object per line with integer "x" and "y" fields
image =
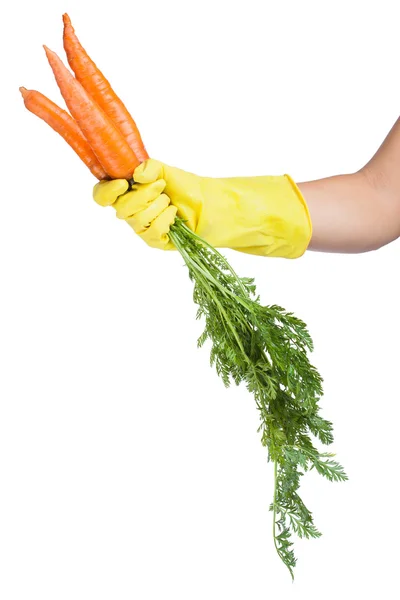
{"x": 258, "y": 215}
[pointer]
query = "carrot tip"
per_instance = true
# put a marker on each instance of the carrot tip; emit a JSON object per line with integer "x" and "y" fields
{"x": 49, "y": 53}
{"x": 66, "y": 19}
{"x": 24, "y": 91}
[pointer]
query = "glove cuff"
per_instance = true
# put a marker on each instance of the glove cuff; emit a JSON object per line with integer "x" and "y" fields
{"x": 302, "y": 232}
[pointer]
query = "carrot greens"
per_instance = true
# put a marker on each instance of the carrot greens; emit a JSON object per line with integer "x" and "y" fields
{"x": 266, "y": 348}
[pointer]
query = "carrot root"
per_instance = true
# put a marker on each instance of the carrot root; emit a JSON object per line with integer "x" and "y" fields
{"x": 64, "y": 125}
{"x": 98, "y": 87}
{"x": 106, "y": 141}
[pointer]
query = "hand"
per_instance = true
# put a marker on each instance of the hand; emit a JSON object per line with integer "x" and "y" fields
{"x": 258, "y": 215}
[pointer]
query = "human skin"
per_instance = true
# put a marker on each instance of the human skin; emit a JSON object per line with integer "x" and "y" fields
{"x": 358, "y": 212}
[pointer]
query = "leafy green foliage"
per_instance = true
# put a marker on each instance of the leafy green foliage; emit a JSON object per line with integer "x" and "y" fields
{"x": 266, "y": 348}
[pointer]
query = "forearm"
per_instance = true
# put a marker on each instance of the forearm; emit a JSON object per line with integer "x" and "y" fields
{"x": 360, "y": 211}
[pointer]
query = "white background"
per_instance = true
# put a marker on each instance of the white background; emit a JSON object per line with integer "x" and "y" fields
{"x": 126, "y": 469}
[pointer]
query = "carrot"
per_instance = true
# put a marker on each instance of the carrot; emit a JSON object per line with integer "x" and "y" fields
{"x": 64, "y": 124}
{"x": 98, "y": 87}
{"x": 106, "y": 141}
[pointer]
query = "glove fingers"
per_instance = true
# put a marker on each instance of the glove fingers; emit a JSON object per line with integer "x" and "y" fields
{"x": 156, "y": 235}
{"x": 147, "y": 172}
{"x": 138, "y": 198}
{"x": 142, "y": 220}
{"x": 105, "y": 193}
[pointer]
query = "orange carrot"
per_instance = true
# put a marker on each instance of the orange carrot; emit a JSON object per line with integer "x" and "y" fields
{"x": 98, "y": 87}
{"x": 64, "y": 124}
{"x": 106, "y": 141}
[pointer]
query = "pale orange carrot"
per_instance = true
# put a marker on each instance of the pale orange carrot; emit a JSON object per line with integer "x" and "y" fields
{"x": 98, "y": 87}
{"x": 64, "y": 124}
{"x": 106, "y": 141}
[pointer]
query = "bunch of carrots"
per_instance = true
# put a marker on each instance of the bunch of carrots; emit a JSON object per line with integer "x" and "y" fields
{"x": 99, "y": 127}
{"x": 264, "y": 347}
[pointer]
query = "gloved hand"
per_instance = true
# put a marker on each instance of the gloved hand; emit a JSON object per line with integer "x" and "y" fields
{"x": 258, "y": 215}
